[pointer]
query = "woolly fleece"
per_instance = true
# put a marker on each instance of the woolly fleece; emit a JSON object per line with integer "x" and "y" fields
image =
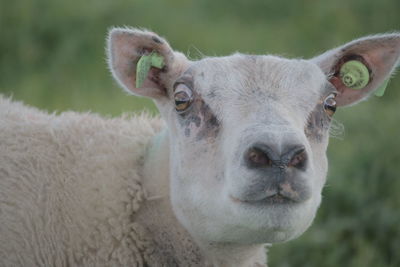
{"x": 70, "y": 187}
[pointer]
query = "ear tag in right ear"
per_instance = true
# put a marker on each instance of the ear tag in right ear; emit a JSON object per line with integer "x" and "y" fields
{"x": 381, "y": 90}
{"x": 144, "y": 64}
{"x": 354, "y": 74}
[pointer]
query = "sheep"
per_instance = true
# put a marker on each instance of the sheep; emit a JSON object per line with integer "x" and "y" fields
{"x": 236, "y": 161}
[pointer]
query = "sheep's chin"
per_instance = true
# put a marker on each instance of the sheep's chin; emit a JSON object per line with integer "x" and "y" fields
{"x": 239, "y": 224}
{"x": 274, "y": 223}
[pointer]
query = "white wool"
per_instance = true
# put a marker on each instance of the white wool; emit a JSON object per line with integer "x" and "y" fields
{"x": 70, "y": 185}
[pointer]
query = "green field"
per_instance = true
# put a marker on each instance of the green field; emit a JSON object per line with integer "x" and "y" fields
{"x": 52, "y": 56}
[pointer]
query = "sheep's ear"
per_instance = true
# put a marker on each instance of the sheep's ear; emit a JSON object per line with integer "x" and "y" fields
{"x": 379, "y": 54}
{"x": 126, "y": 47}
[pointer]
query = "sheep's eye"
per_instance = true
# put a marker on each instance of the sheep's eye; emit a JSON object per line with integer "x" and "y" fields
{"x": 183, "y": 97}
{"x": 330, "y": 104}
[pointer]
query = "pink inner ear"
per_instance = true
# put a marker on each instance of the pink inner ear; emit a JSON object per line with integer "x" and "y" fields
{"x": 153, "y": 80}
{"x": 346, "y": 96}
{"x": 379, "y": 61}
{"x": 126, "y": 46}
{"x": 378, "y": 53}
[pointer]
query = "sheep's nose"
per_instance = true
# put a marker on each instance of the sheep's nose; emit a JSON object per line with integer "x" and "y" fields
{"x": 263, "y": 156}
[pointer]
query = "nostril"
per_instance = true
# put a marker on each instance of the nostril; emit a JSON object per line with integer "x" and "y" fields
{"x": 298, "y": 158}
{"x": 262, "y": 156}
{"x": 256, "y": 158}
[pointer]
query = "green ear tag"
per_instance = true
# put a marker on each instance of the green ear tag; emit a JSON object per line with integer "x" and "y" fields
{"x": 157, "y": 61}
{"x": 354, "y": 74}
{"x": 381, "y": 90}
{"x": 144, "y": 64}
{"x": 142, "y": 69}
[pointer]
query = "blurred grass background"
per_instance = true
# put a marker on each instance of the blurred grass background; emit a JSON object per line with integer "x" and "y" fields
{"x": 52, "y": 57}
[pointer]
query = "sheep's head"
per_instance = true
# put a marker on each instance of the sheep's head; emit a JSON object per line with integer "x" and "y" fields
{"x": 248, "y": 134}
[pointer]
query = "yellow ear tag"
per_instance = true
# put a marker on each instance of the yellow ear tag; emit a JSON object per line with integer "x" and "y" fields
{"x": 354, "y": 74}
{"x": 144, "y": 64}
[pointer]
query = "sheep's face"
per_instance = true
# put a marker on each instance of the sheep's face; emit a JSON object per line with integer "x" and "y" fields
{"x": 248, "y": 142}
{"x": 248, "y": 134}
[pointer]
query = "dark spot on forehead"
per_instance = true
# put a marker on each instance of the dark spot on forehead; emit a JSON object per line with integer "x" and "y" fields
{"x": 201, "y": 117}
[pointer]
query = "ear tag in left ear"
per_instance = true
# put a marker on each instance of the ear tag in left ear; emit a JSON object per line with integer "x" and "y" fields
{"x": 354, "y": 74}
{"x": 145, "y": 63}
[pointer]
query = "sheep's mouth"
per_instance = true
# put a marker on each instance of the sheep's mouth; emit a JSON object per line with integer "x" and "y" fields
{"x": 277, "y": 198}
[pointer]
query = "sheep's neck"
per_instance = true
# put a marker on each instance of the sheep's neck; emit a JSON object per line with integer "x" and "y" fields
{"x": 172, "y": 242}
{"x": 156, "y": 167}
{"x": 173, "y": 245}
